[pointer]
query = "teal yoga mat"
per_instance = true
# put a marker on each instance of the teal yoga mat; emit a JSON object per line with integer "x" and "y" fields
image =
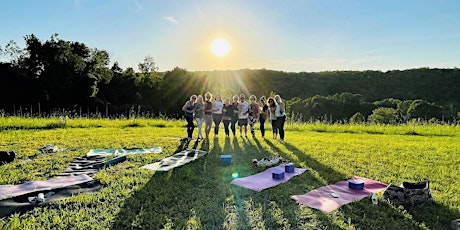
{"x": 107, "y": 152}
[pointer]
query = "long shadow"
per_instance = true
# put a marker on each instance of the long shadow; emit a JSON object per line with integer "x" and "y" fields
{"x": 197, "y": 192}
{"x": 440, "y": 218}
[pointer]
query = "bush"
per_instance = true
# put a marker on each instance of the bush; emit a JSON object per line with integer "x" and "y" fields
{"x": 357, "y": 118}
{"x": 383, "y": 116}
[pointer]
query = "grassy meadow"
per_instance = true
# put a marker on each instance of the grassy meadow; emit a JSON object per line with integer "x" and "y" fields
{"x": 199, "y": 195}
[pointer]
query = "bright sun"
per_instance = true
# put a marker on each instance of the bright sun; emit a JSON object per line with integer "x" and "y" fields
{"x": 220, "y": 47}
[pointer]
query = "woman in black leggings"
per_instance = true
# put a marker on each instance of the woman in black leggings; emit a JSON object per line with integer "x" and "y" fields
{"x": 280, "y": 113}
{"x": 271, "y": 112}
{"x": 263, "y": 115}
{"x": 189, "y": 109}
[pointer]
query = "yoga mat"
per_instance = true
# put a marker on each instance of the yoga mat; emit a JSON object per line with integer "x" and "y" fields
{"x": 321, "y": 198}
{"x": 21, "y": 204}
{"x": 263, "y": 180}
{"x": 106, "y": 152}
{"x": 175, "y": 160}
{"x": 9, "y": 191}
{"x": 88, "y": 165}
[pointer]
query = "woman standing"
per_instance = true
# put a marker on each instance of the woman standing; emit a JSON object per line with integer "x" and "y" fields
{"x": 207, "y": 114}
{"x": 227, "y": 114}
{"x": 280, "y": 113}
{"x": 199, "y": 115}
{"x": 235, "y": 115}
{"x": 188, "y": 108}
{"x": 263, "y": 115}
{"x": 217, "y": 107}
{"x": 243, "y": 114}
{"x": 253, "y": 114}
{"x": 271, "y": 112}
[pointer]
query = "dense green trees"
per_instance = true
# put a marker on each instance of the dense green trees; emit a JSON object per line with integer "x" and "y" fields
{"x": 69, "y": 75}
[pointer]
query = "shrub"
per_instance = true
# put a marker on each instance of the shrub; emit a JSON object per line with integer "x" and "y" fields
{"x": 383, "y": 116}
{"x": 357, "y": 118}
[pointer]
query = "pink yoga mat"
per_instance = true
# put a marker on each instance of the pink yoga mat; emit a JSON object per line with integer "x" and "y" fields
{"x": 263, "y": 180}
{"x": 9, "y": 191}
{"x": 321, "y": 198}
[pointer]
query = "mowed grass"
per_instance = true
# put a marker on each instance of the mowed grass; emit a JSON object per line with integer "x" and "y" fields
{"x": 199, "y": 195}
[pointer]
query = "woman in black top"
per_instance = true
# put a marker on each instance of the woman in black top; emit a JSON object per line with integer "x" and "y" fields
{"x": 263, "y": 115}
{"x": 227, "y": 114}
{"x": 188, "y": 108}
{"x": 235, "y": 114}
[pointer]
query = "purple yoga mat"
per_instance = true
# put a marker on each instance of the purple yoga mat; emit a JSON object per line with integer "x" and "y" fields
{"x": 322, "y": 199}
{"x": 9, "y": 191}
{"x": 263, "y": 180}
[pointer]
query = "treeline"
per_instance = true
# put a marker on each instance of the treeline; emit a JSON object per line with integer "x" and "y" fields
{"x": 52, "y": 74}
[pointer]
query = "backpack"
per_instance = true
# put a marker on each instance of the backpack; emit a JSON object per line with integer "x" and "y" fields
{"x": 414, "y": 194}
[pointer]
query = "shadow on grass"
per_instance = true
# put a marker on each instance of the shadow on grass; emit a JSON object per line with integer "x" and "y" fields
{"x": 375, "y": 132}
{"x": 199, "y": 195}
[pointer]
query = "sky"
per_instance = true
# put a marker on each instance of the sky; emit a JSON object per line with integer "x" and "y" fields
{"x": 286, "y": 35}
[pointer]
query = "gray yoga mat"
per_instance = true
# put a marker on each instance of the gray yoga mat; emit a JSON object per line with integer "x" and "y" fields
{"x": 21, "y": 204}
{"x": 9, "y": 191}
{"x": 175, "y": 160}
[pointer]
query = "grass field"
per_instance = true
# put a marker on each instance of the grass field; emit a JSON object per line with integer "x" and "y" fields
{"x": 199, "y": 195}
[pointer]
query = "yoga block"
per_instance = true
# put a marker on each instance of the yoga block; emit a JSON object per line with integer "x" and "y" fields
{"x": 226, "y": 159}
{"x": 356, "y": 184}
{"x": 289, "y": 168}
{"x": 278, "y": 174}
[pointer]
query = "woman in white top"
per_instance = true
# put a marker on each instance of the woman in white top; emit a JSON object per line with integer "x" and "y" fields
{"x": 217, "y": 107}
{"x": 280, "y": 113}
{"x": 243, "y": 114}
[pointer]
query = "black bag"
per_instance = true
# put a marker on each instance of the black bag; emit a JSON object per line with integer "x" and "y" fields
{"x": 7, "y": 157}
{"x": 409, "y": 194}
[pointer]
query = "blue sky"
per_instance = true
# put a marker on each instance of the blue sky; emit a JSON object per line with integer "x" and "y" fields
{"x": 292, "y": 35}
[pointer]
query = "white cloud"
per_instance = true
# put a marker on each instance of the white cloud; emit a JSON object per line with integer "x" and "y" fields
{"x": 171, "y": 19}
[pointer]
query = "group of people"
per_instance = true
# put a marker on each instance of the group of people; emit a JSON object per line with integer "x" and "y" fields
{"x": 209, "y": 110}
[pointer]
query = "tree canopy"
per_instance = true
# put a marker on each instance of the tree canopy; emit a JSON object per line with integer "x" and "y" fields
{"x": 70, "y": 75}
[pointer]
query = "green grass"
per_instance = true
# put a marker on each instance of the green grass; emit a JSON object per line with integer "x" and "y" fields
{"x": 199, "y": 195}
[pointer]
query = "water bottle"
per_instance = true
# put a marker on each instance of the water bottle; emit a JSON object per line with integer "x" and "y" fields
{"x": 40, "y": 198}
{"x": 374, "y": 199}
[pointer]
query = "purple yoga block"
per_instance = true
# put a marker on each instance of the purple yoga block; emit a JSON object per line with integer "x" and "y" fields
{"x": 289, "y": 168}
{"x": 356, "y": 184}
{"x": 278, "y": 174}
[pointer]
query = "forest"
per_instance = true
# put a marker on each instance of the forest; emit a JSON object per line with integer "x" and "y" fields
{"x": 67, "y": 77}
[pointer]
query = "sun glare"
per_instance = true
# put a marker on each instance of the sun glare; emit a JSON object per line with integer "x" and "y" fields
{"x": 220, "y": 47}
